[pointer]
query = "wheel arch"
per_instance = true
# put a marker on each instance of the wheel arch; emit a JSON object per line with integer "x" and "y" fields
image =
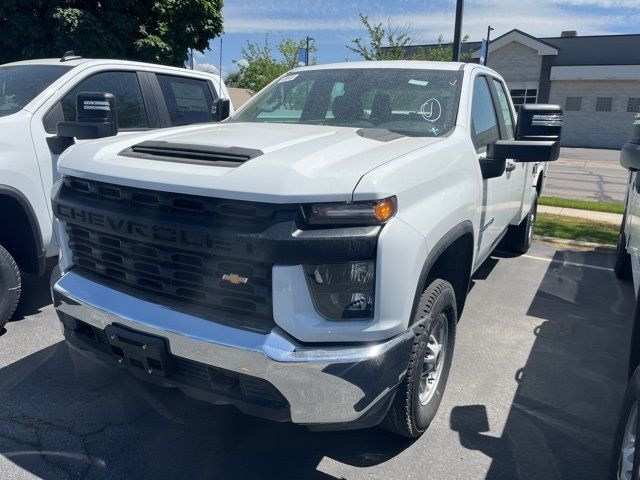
{"x": 24, "y": 241}
{"x": 451, "y": 259}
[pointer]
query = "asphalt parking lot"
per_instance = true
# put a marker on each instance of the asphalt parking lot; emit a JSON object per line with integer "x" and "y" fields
{"x": 538, "y": 374}
{"x": 587, "y": 174}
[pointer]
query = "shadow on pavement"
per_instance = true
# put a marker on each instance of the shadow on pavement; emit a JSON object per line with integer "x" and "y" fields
{"x": 64, "y": 417}
{"x": 35, "y": 295}
{"x": 565, "y": 409}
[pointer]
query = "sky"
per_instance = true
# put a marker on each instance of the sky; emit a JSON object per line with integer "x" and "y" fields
{"x": 334, "y": 23}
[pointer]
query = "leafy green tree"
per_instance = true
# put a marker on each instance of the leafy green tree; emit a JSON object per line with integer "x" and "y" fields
{"x": 391, "y": 42}
{"x": 147, "y": 30}
{"x": 258, "y": 66}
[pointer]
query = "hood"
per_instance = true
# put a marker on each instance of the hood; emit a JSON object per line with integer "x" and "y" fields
{"x": 295, "y": 163}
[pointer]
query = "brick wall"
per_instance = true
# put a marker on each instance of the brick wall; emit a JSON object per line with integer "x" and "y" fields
{"x": 516, "y": 63}
{"x": 588, "y": 128}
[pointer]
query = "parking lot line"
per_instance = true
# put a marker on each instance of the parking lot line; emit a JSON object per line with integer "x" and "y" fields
{"x": 565, "y": 263}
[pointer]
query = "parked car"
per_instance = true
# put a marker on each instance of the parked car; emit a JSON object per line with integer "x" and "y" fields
{"x": 35, "y": 96}
{"x": 627, "y": 268}
{"x": 308, "y": 260}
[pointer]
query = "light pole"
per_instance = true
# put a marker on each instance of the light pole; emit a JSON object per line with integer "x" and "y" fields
{"x": 306, "y": 50}
{"x": 486, "y": 54}
{"x": 457, "y": 31}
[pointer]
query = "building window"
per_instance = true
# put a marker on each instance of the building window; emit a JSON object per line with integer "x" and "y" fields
{"x": 519, "y": 97}
{"x": 573, "y": 104}
{"x": 603, "y": 104}
{"x": 633, "y": 105}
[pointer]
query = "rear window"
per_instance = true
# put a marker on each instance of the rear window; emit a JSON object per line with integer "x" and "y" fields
{"x": 19, "y": 84}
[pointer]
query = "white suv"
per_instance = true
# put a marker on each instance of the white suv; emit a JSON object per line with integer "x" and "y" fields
{"x": 35, "y": 96}
{"x": 308, "y": 259}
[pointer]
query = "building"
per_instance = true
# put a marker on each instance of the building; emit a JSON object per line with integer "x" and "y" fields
{"x": 596, "y": 80}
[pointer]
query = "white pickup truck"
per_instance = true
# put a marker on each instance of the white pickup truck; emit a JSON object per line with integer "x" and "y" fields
{"x": 308, "y": 259}
{"x": 627, "y": 267}
{"x": 37, "y": 94}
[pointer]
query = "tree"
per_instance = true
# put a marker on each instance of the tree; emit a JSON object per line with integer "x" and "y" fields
{"x": 159, "y": 31}
{"x": 383, "y": 44}
{"x": 258, "y": 66}
{"x": 391, "y": 42}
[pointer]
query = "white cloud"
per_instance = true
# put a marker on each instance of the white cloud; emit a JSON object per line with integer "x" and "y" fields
{"x": 538, "y": 17}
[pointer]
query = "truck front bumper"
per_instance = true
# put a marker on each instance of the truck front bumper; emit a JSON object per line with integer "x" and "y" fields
{"x": 269, "y": 375}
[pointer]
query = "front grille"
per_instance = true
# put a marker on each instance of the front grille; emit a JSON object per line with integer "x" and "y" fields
{"x": 173, "y": 248}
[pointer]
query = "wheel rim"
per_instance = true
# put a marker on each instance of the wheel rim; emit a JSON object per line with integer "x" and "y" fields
{"x": 433, "y": 361}
{"x": 627, "y": 451}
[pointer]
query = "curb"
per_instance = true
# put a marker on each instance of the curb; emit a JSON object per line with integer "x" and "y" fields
{"x": 589, "y": 215}
{"x": 576, "y": 243}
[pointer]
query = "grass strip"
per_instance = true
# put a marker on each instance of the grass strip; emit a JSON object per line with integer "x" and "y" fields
{"x": 608, "y": 207}
{"x": 576, "y": 229}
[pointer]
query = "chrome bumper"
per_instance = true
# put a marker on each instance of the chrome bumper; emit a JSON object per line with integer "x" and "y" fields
{"x": 322, "y": 384}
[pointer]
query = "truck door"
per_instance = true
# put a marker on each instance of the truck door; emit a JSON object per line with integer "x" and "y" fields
{"x": 516, "y": 173}
{"x": 496, "y": 193}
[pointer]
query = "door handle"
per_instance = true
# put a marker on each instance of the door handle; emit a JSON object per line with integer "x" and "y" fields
{"x": 510, "y": 167}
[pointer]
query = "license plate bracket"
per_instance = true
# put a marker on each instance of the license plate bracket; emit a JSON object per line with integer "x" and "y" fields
{"x": 140, "y": 351}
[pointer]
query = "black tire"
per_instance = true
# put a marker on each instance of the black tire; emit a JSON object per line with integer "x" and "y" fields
{"x": 520, "y": 237}
{"x": 631, "y": 398}
{"x": 10, "y": 286}
{"x": 408, "y": 415}
{"x": 622, "y": 267}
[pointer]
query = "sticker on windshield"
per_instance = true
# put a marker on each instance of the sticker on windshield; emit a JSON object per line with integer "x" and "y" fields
{"x": 420, "y": 83}
{"x": 431, "y": 110}
{"x": 288, "y": 78}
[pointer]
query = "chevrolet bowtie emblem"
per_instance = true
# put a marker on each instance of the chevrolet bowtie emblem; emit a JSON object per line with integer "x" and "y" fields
{"x": 235, "y": 279}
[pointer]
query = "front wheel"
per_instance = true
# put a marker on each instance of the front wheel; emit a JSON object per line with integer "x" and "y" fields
{"x": 10, "y": 286}
{"x": 418, "y": 396}
{"x": 520, "y": 237}
{"x": 624, "y": 450}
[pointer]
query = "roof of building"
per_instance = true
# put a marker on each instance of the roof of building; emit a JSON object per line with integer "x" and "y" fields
{"x": 586, "y": 50}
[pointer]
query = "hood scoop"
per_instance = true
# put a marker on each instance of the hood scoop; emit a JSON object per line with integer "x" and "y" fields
{"x": 190, "y": 153}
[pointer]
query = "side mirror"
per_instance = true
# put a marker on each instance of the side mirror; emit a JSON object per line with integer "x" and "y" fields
{"x": 221, "y": 109}
{"x": 538, "y": 133}
{"x": 630, "y": 154}
{"x": 492, "y": 167}
{"x": 95, "y": 117}
{"x": 539, "y": 122}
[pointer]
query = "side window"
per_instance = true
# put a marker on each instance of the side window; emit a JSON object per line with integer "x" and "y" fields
{"x": 484, "y": 123}
{"x": 188, "y": 100}
{"x": 124, "y": 86}
{"x": 505, "y": 109}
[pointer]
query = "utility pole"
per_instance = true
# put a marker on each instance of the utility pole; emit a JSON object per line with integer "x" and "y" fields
{"x": 191, "y": 57}
{"x": 486, "y": 54}
{"x": 458, "y": 31}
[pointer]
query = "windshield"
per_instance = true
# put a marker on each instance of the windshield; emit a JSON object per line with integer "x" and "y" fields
{"x": 20, "y": 84}
{"x": 407, "y": 101}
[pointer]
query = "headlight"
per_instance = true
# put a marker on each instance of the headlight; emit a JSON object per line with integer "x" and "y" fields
{"x": 375, "y": 212}
{"x": 342, "y": 290}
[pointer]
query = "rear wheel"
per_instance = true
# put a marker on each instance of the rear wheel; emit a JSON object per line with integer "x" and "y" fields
{"x": 622, "y": 267}
{"x": 418, "y": 396}
{"x": 520, "y": 237}
{"x": 10, "y": 286}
